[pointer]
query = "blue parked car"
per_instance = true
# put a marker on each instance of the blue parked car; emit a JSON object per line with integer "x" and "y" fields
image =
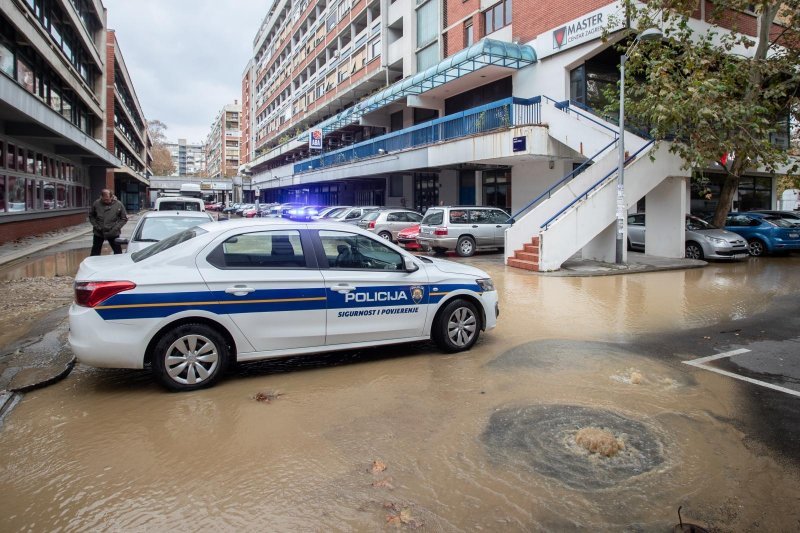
{"x": 765, "y": 234}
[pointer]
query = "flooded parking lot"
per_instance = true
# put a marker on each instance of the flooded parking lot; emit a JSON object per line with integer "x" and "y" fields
{"x": 576, "y": 412}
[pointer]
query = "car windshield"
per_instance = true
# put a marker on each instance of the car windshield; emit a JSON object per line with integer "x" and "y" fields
{"x": 167, "y": 243}
{"x": 433, "y": 217}
{"x": 154, "y": 229}
{"x": 336, "y": 212}
{"x": 694, "y": 223}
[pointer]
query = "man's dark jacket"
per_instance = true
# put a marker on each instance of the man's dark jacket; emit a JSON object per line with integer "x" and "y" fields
{"x": 107, "y": 220}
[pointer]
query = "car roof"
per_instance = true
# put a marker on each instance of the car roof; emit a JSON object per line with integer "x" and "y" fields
{"x": 250, "y": 223}
{"x": 179, "y": 198}
{"x": 173, "y": 213}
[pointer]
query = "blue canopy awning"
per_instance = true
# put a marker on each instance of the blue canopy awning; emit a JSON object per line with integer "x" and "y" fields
{"x": 481, "y": 54}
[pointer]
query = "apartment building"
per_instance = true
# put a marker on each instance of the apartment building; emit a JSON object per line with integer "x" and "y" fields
{"x": 126, "y": 131}
{"x": 189, "y": 158}
{"x": 223, "y": 143}
{"x": 53, "y": 144}
{"x": 484, "y": 102}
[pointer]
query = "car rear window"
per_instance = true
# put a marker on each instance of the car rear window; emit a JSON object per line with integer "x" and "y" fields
{"x": 154, "y": 229}
{"x": 167, "y": 243}
{"x": 433, "y": 217}
{"x": 179, "y": 206}
{"x": 371, "y": 216}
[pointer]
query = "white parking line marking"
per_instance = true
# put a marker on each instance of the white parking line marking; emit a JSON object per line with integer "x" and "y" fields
{"x": 702, "y": 360}
{"x": 699, "y": 363}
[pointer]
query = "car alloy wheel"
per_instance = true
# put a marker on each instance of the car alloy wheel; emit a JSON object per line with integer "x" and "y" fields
{"x": 756, "y": 247}
{"x": 693, "y": 251}
{"x": 385, "y": 235}
{"x": 465, "y": 247}
{"x": 189, "y": 357}
{"x": 461, "y": 326}
{"x": 457, "y": 326}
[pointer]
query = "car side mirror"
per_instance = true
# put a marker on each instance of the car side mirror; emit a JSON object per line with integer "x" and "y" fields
{"x": 121, "y": 240}
{"x": 409, "y": 265}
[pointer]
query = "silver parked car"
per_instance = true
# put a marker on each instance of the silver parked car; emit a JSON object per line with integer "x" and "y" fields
{"x": 463, "y": 229}
{"x": 387, "y": 223}
{"x": 351, "y": 215}
{"x": 155, "y": 226}
{"x": 703, "y": 241}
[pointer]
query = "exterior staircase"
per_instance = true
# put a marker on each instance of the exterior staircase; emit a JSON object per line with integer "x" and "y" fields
{"x": 578, "y": 208}
{"x": 528, "y": 257}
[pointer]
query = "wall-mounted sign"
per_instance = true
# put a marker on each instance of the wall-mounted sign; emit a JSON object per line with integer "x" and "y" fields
{"x": 315, "y": 139}
{"x": 520, "y": 144}
{"x": 580, "y": 30}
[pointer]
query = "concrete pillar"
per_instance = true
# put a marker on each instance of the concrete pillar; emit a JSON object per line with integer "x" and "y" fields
{"x": 479, "y": 187}
{"x": 604, "y": 246}
{"x": 665, "y": 225}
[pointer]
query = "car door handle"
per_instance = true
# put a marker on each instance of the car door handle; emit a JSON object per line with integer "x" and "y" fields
{"x": 474, "y": 225}
{"x": 239, "y": 290}
{"x": 343, "y": 288}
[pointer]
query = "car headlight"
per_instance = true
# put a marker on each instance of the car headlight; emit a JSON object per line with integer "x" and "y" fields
{"x": 485, "y": 284}
{"x": 721, "y": 242}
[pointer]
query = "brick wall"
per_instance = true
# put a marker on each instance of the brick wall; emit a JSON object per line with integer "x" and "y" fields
{"x": 10, "y": 231}
{"x": 530, "y": 18}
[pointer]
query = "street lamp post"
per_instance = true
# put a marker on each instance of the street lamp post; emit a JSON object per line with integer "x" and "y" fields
{"x": 650, "y": 34}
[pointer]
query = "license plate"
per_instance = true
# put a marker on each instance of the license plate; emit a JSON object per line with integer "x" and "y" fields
{"x": 794, "y": 235}
{"x": 426, "y": 231}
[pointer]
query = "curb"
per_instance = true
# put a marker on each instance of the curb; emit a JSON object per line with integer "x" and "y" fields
{"x": 49, "y": 381}
{"x": 30, "y": 250}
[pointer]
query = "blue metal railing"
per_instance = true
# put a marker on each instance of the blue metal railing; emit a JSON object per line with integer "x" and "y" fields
{"x": 566, "y": 106}
{"x": 586, "y": 193}
{"x": 501, "y": 114}
{"x": 549, "y": 192}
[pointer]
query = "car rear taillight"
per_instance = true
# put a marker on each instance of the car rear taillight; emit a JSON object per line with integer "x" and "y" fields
{"x": 91, "y": 293}
{"x": 440, "y": 231}
{"x": 371, "y": 224}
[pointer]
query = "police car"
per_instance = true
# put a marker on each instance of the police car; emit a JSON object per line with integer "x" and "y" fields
{"x": 195, "y": 302}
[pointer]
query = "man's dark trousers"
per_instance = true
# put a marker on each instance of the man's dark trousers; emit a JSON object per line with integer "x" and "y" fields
{"x": 97, "y": 244}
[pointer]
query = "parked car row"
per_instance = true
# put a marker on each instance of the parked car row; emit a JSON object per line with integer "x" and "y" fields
{"x": 754, "y": 233}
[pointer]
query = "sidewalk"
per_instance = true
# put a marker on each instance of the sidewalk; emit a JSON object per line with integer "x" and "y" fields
{"x": 42, "y": 355}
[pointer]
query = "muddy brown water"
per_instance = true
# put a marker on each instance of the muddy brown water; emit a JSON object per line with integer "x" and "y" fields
{"x": 475, "y": 441}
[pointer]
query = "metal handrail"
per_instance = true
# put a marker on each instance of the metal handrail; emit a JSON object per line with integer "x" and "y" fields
{"x": 586, "y": 193}
{"x": 563, "y": 180}
{"x": 566, "y": 106}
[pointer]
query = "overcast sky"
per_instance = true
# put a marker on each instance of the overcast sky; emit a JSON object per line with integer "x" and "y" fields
{"x": 186, "y": 57}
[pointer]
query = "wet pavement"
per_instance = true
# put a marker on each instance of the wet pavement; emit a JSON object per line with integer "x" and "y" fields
{"x": 406, "y": 437}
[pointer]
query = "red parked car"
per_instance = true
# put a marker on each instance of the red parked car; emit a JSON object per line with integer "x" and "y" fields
{"x": 407, "y": 238}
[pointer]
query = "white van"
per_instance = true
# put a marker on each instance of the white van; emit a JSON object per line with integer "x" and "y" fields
{"x": 179, "y": 203}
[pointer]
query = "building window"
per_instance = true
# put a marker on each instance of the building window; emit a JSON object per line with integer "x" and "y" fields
{"x": 6, "y": 60}
{"x": 374, "y": 48}
{"x": 469, "y": 37}
{"x": 427, "y": 57}
{"x": 427, "y": 23}
{"x": 497, "y": 188}
{"x": 497, "y": 16}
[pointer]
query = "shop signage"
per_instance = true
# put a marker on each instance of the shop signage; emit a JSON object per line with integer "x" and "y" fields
{"x": 581, "y": 30}
{"x": 315, "y": 139}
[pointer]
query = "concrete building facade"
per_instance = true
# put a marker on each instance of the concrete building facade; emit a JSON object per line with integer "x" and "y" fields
{"x": 189, "y": 158}
{"x": 126, "y": 131}
{"x": 53, "y": 153}
{"x": 223, "y": 143}
{"x": 487, "y": 102}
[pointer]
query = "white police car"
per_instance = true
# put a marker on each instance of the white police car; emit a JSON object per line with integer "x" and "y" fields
{"x": 253, "y": 289}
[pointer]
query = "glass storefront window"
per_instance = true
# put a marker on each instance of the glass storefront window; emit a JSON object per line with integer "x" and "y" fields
{"x": 2, "y": 154}
{"x": 25, "y": 76}
{"x": 497, "y": 188}
{"x": 30, "y": 196}
{"x": 16, "y": 194}
{"x": 61, "y": 196}
{"x": 31, "y": 167}
{"x": 21, "y": 159}
{"x": 11, "y": 157}
{"x": 2, "y": 194}
{"x": 49, "y": 195}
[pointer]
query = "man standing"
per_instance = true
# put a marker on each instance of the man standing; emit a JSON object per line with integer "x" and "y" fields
{"x": 107, "y": 217}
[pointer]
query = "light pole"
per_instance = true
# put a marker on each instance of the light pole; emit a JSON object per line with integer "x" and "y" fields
{"x": 650, "y": 34}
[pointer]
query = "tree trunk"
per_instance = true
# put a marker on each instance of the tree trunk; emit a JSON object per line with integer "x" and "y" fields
{"x": 729, "y": 187}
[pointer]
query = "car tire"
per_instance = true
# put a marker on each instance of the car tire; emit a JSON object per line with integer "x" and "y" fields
{"x": 694, "y": 250}
{"x": 385, "y": 235}
{"x": 457, "y": 326}
{"x": 203, "y": 365}
{"x": 756, "y": 247}
{"x": 465, "y": 247}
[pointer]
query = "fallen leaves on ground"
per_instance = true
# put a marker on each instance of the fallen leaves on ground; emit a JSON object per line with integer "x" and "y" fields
{"x": 401, "y": 517}
{"x": 267, "y": 397}
{"x": 378, "y": 466}
{"x": 385, "y": 483}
